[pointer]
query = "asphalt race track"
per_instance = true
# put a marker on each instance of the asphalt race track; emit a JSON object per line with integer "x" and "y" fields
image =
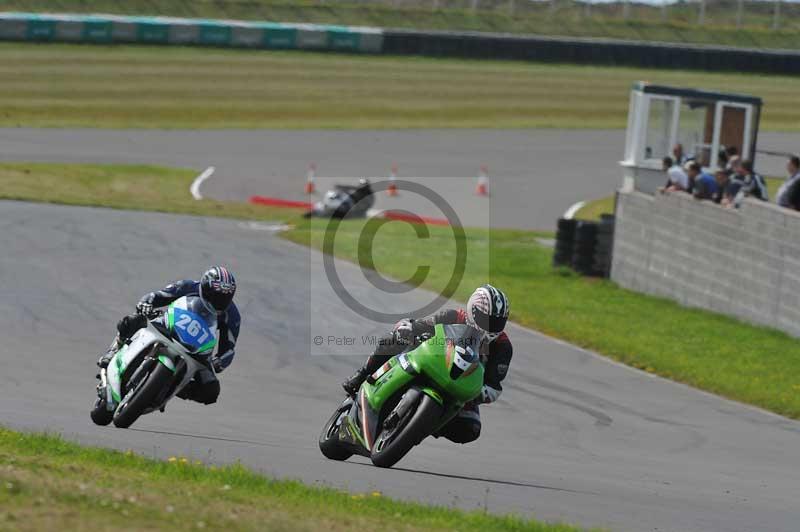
{"x": 574, "y": 437}
{"x": 535, "y": 174}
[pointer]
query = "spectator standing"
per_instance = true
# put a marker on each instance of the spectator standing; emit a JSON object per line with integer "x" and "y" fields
{"x": 732, "y": 155}
{"x": 703, "y": 185}
{"x": 678, "y": 156}
{"x": 725, "y": 157}
{"x": 755, "y": 185}
{"x": 676, "y": 177}
{"x": 734, "y": 161}
{"x": 722, "y": 159}
{"x": 789, "y": 193}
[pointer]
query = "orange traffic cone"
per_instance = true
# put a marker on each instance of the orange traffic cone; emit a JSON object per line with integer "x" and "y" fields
{"x": 391, "y": 189}
{"x": 310, "y": 187}
{"x": 482, "y": 188}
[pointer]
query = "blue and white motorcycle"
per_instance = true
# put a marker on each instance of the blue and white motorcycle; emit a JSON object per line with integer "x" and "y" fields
{"x": 157, "y": 363}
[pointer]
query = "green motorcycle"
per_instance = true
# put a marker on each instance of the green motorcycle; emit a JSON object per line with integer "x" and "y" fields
{"x": 407, "y": 399}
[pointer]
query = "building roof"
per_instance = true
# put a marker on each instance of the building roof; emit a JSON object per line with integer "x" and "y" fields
{"x": 649, "y": 88}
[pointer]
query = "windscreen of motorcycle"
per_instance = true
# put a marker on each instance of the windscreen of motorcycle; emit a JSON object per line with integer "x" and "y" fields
{"x": 463, "y": 347}
{"x": 192, "y": 324}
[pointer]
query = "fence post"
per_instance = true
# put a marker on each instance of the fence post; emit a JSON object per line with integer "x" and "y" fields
{"x": 739, "y": 10}
{"x": 474, "y": 6}
{"x": 552, "y": 7}
{"x": 511, "y": 8}
{"x": 626, "y": 9}
{"x": 436, "y": 5}
{"x": 776, "y": 19}
{"x": 701, "y": 15}
{"x": 664, "y": 14}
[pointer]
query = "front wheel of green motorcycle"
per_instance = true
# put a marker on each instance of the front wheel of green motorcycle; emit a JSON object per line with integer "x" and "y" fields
{"x": 393, "y": 444}
{"x": 329, "y": 439}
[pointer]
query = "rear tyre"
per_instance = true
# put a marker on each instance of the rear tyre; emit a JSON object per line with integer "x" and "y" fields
{"x": 419, "y": 424}
{"x": 329, "y": 441}
{"x": 130, "y": 410}
{"x": 100, "y": 414}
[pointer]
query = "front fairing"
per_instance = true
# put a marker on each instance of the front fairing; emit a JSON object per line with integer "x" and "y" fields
{"x": 130, "y": 356}
{"x": 122, "y": 360}
{"x": 192, "y": 324}
{"x": 446, "y": 366}
{"x": 451, "y": 361}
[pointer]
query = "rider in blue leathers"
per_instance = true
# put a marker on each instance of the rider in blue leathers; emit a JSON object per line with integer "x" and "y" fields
{"x": 216, "y": 288}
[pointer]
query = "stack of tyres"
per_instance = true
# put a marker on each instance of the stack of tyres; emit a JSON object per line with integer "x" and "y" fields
{"x": 565, "y": 238}
{"x": 583, "y": 248}
{"x": 604, "y": 245}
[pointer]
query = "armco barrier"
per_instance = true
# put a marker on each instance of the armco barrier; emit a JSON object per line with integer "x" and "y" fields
{"x": 742, "y": 262}
{"x": 180, "y": 31}
{"x": 232, "y": 33}
{"x": 591, "y": 51}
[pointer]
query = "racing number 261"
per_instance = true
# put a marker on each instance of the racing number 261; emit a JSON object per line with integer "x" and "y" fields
{"x": 192, "y": 327}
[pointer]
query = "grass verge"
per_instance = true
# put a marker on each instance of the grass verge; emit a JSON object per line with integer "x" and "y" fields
{"x": 55, "y": 85}
{"x": 752, "y": 364}
{"x": 47, "y": 483}
{"x": 133, "y": 187}
{"x": 647, "y": 22}
{"x": 594, "y": 208}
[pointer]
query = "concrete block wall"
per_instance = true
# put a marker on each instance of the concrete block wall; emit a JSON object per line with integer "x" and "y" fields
{"x": 742, "y": 262}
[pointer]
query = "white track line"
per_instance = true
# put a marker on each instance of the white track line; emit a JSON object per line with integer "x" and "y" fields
{"x": 572, "y": 210}
{"x": 257, "y": 226}
{"x": 195, "y": 188}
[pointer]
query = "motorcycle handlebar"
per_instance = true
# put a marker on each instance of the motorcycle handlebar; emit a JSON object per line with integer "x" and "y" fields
{"x": 155, "y": 313}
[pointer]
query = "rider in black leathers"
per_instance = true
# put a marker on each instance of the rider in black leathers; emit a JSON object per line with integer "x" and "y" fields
{"x": 486, "y": 310}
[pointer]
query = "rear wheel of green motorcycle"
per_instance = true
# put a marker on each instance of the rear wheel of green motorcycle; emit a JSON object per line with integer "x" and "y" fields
{"x": 419, "y": 425}
{"x": 329, "y": 442}
{"x": 130, "y": 410}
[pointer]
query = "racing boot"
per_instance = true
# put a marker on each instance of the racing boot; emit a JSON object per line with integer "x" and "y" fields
{"x": 352, "y": 385}
{"x": 112, "y": 349}
{"x": 376, "y": 360}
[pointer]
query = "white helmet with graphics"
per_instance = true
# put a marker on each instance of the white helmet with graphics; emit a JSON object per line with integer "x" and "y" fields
{"x": 487, "y": 310}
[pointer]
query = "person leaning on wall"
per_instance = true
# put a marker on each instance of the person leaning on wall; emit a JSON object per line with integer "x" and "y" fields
{"x": 789, "y": 193}
{"x": 677, "y": 180}
{"x": 729, "y": 193}
{"x": 703, "y": 185}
